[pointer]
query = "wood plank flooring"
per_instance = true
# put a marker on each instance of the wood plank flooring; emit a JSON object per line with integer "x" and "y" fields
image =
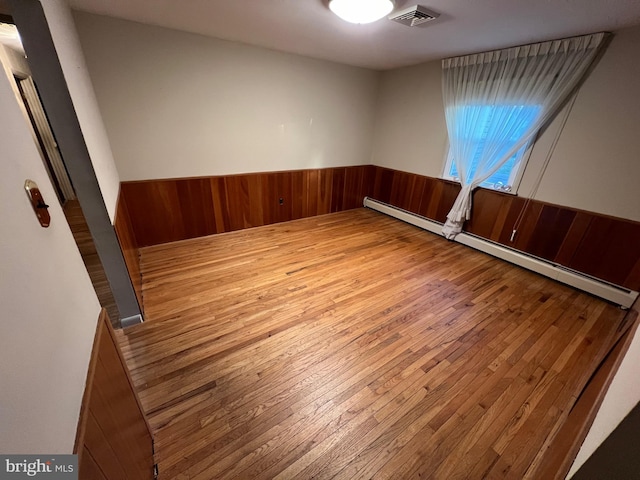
{"x": 352, "y": 345}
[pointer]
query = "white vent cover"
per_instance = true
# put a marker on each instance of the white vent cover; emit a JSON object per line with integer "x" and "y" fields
{"x": 413, "y": 16}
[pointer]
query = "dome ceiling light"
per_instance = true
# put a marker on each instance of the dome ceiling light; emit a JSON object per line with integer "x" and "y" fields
{"x": 361, "y": 11}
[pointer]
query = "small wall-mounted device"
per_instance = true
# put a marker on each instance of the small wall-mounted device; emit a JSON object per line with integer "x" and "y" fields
{"x": 37, "y": 202}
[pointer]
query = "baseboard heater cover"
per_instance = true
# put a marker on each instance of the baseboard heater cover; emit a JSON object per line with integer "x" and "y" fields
{"x": 613, "y": 293}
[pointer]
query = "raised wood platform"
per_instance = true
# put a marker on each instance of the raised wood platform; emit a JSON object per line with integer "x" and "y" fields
{"x": 352, "y": 345}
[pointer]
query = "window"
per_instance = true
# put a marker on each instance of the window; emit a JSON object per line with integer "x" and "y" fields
{"x": 507, "y": 177}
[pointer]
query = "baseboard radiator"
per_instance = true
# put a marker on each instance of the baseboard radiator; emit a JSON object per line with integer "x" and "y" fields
{"x": 613, "y": 293}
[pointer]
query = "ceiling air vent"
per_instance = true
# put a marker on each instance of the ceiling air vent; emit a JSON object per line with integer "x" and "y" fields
{"x": 413, "y": 16}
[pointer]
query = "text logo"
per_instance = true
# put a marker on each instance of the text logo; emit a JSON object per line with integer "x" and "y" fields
{"x": 50, "y": 467}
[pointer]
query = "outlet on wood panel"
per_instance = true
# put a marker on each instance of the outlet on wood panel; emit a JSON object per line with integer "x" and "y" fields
{"x": 281, "y": 201}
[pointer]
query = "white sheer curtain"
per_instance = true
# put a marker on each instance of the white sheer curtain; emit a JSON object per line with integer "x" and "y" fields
{"x": 511, "y": 93}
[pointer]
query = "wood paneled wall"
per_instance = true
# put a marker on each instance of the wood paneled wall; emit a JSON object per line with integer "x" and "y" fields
{"x": 598, "y": 245}
{"x": 168, "y": 210}
{"x": 113, "y": 440}
{"x": 160, "y": 211}
{"x": 127, "y": 239}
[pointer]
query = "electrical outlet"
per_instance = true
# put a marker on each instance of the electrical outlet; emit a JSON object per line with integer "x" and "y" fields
{"x": 281, "y": 201}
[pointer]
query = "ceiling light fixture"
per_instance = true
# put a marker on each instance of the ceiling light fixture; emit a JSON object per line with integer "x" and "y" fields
{"x": 361, "y": 11}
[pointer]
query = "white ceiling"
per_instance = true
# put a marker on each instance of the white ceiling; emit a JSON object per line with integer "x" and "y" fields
{"x": 308, "y": 27}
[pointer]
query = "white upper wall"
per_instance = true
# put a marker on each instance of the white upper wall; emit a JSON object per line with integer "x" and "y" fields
{"x": 595, "y": 165}
{"x": 178, "y": 105}
{"x": 73, "y": 64}
{"x": 410, "y": 130}
{"x": 49, "y": 308}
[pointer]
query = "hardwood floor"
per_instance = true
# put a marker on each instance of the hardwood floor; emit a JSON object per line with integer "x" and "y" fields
{"x": 352, "y": 345}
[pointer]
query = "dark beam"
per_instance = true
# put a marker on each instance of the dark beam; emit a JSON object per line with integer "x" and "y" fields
{"x": 48, "y": 75}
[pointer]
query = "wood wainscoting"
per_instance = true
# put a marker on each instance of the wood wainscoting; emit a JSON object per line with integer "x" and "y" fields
{"x": 164, "y": 211}
{"x": 129, "y": 246}
{"x": 152, "y": 212}
{"x": 599, "y": 245}
{"x": 113, "y": 441}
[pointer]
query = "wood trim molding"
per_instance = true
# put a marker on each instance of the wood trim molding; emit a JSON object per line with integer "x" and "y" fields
{"x": 84, "y": 407}
{"x": 127, "y": 373}
{"x": 113, "y": 438}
